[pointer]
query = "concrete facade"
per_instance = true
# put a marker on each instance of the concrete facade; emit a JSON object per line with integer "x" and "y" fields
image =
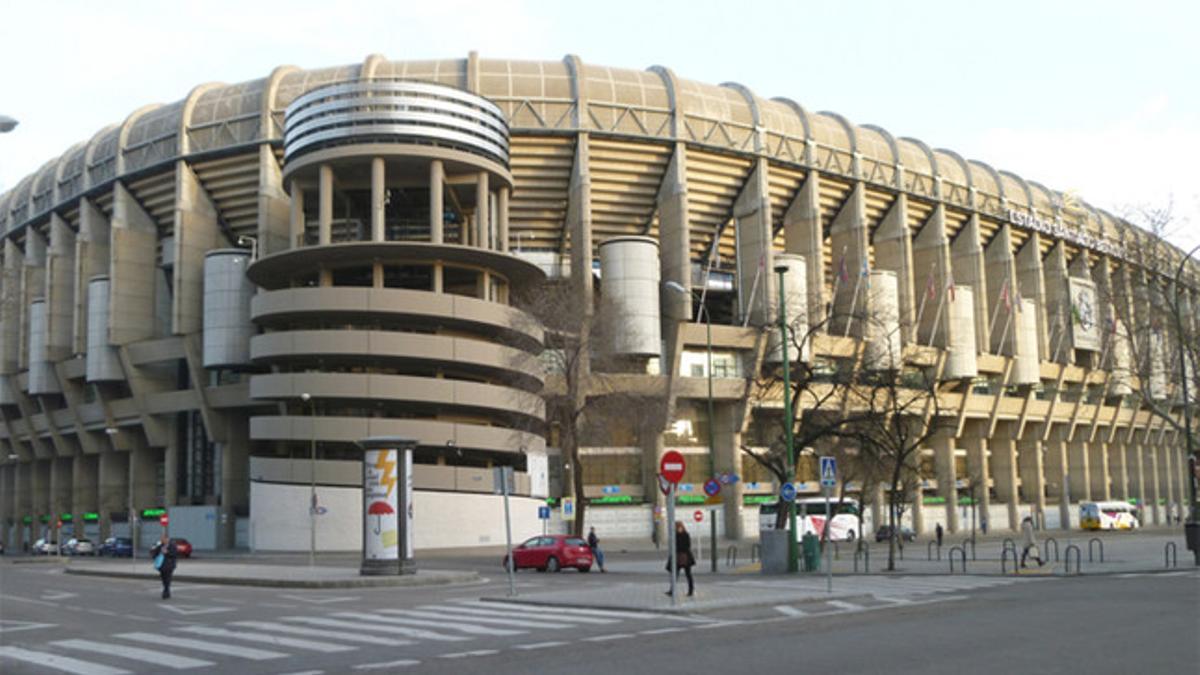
{"x": 388, "y": 254}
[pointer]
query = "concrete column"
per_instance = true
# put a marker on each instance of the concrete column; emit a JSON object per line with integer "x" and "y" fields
{"x": 133, "y": 275}
{"x": 1134, "y": 449}
{"x": 1155, "y": 485}
{"x": 1001, "y": 267}
{"x": 1033, "y": 287}
{"x": 1118, "y": 452}
{"x": 502, "y": 219}
{"x": 33, "y": 284}
{"x": 917, "y": 506}
{"x": 324, "y": 205}
{"x": 23, "y": 498}
{"x": 1058, "y": 304}
{"x": 893, "y": 251}
{"x": 92, "y": 257}
{"x": 437, "y": 179}
{"x": 113, "y": 484}
{"x": 970, "y": 270}
{"x": 728, "y": 458}
{"x": 1005, "y": 474}
{"x": 60, "y": 290}
{"x": 296, "y": 219}
{"x": 931, "y": 255}
{"x": 579, "y": 224}
{"x": 674, "y": 236}
{"x": 878, "y": 513}
{"x": 979, "y": 471}
{"x": 84, "y": 484}
{"x": 1080, "y": 471}
{"x": 196, "y": 232}
{"x": 41, "y": 490}
{"x": 804, "y": 234}
{"x": 7, "y": 495}
{"x": 851, "y": 249}
{"x": 1031, "y": 463}
{"x": 274, "y": 225}
{"x": 10, "y": 309}
{"x": 60, "y": 486}
{"x": 483, "y": 221}
{"x": 1168, "y": 476}
{"x": 235, "y": 478}
{"x": 378, "y": 197}
{"x": 1058, "y": 477}
{"x": 1101, "y": 481}
{"x": 943, "y": 457}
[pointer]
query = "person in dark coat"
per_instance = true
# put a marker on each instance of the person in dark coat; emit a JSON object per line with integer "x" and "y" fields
{"x": 939, "y": 532}
{"x": 593, "y": 543}
{"x": 166, "y": 546}
{"x": 683, "y": 556}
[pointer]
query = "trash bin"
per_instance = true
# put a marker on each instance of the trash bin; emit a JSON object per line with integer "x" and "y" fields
{"x": 812, "y": 552}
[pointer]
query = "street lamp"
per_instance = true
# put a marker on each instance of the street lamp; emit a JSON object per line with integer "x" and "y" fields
{"x": 1193, "y": 524}
{"x": 7, "y": 124}
{"x": 793, "y": 552}
{"x": 312, "y": 478}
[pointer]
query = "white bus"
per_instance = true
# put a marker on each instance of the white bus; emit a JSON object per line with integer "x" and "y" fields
{"x": 1108, "y": 516}
{"x": 810, "y": 517}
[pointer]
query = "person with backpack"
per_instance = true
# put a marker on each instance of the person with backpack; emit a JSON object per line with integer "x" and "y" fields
{"x": 165, "y": 554}
{"x": 593, "y": 543}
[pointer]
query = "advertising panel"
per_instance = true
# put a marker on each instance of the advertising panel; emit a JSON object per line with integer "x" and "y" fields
{"x": 381, "y": 531}
{"x": 1085, "y": 321}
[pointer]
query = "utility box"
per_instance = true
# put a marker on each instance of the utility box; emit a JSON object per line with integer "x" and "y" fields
{"x": 811, "y": 548}
{"x": 1191, "y": 533}
{"x": 773, "y": 551}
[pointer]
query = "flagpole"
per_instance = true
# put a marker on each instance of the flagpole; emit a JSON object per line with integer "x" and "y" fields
{"x": 996, "y": 311}
{"x": 1004, "y": 333}
{"x": 837, "y": 279}
{"x": 1058, "y": 325}
{"x": 937, "y": 317}
{"x": 921, "y": 307}
{"x": 753, "y": 291}
{"x": 853, "y": 305}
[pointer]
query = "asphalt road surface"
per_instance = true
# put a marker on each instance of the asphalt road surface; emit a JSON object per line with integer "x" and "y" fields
{"x": 55, "y": 623}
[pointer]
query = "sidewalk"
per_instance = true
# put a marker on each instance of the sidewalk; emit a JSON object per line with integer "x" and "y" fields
{"x": 276, "y": 576}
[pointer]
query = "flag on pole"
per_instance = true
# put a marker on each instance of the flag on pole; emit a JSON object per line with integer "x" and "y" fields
{"x": 866, "y": 273}
{"x": 1019, "y": 301}
{"x": 1004, "y": 297}
{"x": 930, "y": 284}
{"x": 950, "y": 284}
{"x": 842, "y": 268}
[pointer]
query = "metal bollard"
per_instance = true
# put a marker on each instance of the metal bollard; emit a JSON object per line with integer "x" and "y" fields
{"x": 1170, "y": 555}
{"x": 1004, "y": 561}
{"x": 1052, "y": 540}
{"x": 755, "y": 552}
{"x": 972, "y": 543}
{"x": 962, "y": 552}
{"x": 864, "y": 551}
{"x": 731, "y": 556}
{"x": 1078, "y": 560}
{"x": 929, "y": 550}
{"x": 1097, "y": 541}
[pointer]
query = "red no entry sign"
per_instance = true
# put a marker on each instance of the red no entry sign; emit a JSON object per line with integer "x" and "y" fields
{"x": 671, "y": 467}
{"x": 163, "y": 520}
{"x": 698, "y": 516}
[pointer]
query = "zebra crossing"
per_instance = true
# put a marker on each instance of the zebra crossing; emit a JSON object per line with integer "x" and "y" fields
{"x": 340, "y": 632}
{"x": 872, "y": 593}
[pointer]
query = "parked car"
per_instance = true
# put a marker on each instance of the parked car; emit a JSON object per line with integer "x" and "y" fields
{"x": 79, "y": 546}
{"x": 117, "y": 547}
{"x": 552, "y": 553}
{"x": 183, "y": 547}
{"x": 45, "y": 547}
{"x": 885, "y": 532}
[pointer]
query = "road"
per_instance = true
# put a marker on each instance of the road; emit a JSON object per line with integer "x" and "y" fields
{"x": 54, "y": 623}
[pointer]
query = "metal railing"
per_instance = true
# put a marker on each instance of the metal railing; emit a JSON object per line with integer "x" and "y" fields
{"x": 929, "y": 550}
{"x": 1170, "y": 555}
{"x": 731, "y": 556}
{"x": 972, "y": 543}
{"x": 1052, "y": 540}
{"x": 1078, "y": 560}
{"x": 1091, "y": 542}
{"x": 1004, "y": 561}
{"x": 962, "y": 553}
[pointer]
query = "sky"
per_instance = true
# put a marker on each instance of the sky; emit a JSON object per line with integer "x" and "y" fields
{"x": 1097, "y": 97}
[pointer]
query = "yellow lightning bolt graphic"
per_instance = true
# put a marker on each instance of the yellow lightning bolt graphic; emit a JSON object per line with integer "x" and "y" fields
{"x": 388, "y": 467}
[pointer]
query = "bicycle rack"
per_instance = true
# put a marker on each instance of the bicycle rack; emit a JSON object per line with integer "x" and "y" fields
{"x": 755, "y": 552}
{"x": 1095, "y": 540}
{"x": 972, "y": 543}
{"x": 1009, "y": 543}
{"x": 1052, "y": 540}
{"x": 962, "y": 552}
{"x": 929, "y": 550}
{"x": 1078, "y": 560}
{"x": 731, "y": 556}
{"x": 1004, "y": 561}
{"x": 1170, "y": 555}
{"x": 865, "y": 552}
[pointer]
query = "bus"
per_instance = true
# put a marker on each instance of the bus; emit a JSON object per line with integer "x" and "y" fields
{"x": 810, "y": 517}
{"x": 1108, "y": 516}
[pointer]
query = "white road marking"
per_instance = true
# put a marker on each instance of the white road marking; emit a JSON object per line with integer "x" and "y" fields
{"x": 662, "y": 631}
{"x": 63, "y": 663}
{"x": 202, "y": 646}
{"x": 790, "y": 611}
{"x": 194, "y": 610}
{"x": 717, "y": 624}
{"x": 166, "y": 659}
{"x": 12, "y": 626}
{"x": 539, "y": 616}
{"x": 376, "y": 628}
{"x": 307, "y": 672}
{"x": 841, "y": 604}
{"x": 32, "y": 601}
{"x": 476, "y": 652}
{"x": 376, "y": 640}
{"x": 540, "y": 645}
{"x": 386, "y": 665}
{"x": 279, "y": 605}
{"x": 606, "y": 638}
{"x": 321, "y": 600}
{"x": 58, "y": 595}
{"x": 573, "y": 611}
{"x": 313, "y": 645}
{"x": 465, "y": 616}
{"x": 427, "y": 623}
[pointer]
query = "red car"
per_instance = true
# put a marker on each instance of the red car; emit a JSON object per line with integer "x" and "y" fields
{"x": 552, "y": 553}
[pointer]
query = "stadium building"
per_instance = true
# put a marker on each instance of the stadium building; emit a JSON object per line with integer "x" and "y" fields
{"x": 205, "y": 305}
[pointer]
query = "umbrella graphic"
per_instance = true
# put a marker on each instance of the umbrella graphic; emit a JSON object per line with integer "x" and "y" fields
{"x": 379, "y": 510}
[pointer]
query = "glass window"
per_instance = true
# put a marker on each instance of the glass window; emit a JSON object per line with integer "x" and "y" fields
{"x": 354, "y": 276}
{"x": 414, "y": 277}
{"x": 460, "y": 281}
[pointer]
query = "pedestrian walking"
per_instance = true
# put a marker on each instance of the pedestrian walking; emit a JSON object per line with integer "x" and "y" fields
{"x": 939, "y": 532}
{"x": 594, "y": 544}
{"x": 164, "y": 555}
{"x": 1030, "y": 543}
{"x": 683, "y": 556}
{"x": 983, "y": 524}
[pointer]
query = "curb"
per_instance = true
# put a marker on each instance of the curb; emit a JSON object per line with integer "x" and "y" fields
{"x": 678, "y": 609}
{"x": 410, "y": 581}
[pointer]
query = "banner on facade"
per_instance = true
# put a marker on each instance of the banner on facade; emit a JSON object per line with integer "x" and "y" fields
{"x": 1084, "y": 313}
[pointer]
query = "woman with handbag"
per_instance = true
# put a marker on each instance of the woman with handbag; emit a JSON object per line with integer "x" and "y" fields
{"x": 683, "y": 556}
{"x": 165, "y": 554}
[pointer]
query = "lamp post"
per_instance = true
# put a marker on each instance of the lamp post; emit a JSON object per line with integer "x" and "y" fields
{"x": 793, "y": 553}
{"x": 1193, "y": 524}
{"x": 312, "y": 478}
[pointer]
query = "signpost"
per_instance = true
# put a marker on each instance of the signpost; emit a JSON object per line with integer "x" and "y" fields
{"x": 671, "y": 469}
{"x": 828, "y": 483}
{"x": 788, "y": 492}
{"x": 544, "y": 516}
{"x": 712, "y": 488}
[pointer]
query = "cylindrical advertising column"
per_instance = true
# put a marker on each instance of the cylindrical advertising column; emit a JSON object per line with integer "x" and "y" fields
{"x": 387, "y": 506}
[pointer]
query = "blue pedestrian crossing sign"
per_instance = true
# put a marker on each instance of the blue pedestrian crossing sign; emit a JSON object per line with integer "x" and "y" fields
{"x": 543, "y": 513}
{"x": 787, "y": 492}
{"x": 828, "y": 472}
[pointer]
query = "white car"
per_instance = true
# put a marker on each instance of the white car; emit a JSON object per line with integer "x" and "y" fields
{"x": 79, "y": 547}
{"x": 45, "y": 547}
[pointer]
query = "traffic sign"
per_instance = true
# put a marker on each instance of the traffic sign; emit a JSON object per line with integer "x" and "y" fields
{"x": 787, "y": 492}
{"x": 543, "y": 513}
{"x": 698, "y": 516}
{"x": 568, "y": 508}
{"x": 711, "y": 487}
{"x": 664, "y": 485}
{"x": 163, "y": 520}
{"x": 828, "y": 472}
{"x": 672, "y": 465}
{"x": 611, "y": 489}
